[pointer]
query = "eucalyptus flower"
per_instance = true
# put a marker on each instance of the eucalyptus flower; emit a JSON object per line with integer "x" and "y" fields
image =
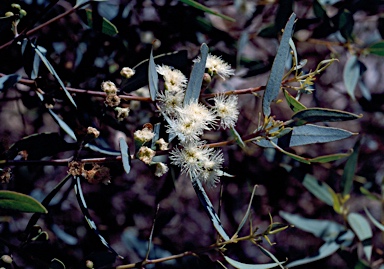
{"x": 226, "y": 109}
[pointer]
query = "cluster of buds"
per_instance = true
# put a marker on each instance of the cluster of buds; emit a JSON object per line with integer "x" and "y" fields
{"x": 112, "y": 99}
{"x": 143, "y": 139}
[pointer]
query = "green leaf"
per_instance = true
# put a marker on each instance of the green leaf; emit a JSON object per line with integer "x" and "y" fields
{"x": 374, "y": 221}
{"x": 107, "y": 27}
{"x": 293, "y": 103}
{"x": 56, "y": 264}
{"x": 330, "y": 157}
{"x": 194, "y": 85}
{"x": 124, "y": 155}
{"x": 238, "y": 138}
{"x": 377, "y": 48}
{"x": 324, "y": 251}
{"x": 8, "y": 81}
{"x": 319, "y": 11}
{"x": 53, "y": 72}
{"x": 208, "y": 208}
{"x": 241, "y": 265}
{"x": 345, "y": 24}
{"x": 30, "y": 58}
{"x": 206, "y": 9}
{"x": 20, "y": 202}
{"x": 274, "y": 82}
{"x": 351, "y": 75}
{"x": 369, "y": 195}
{"x": 362, "y": 229}
{"x": 312, "y": 115}
{"x": 153, "y": 78}
{"x": 349, "y": 170}
{"x": 319, "y": 189}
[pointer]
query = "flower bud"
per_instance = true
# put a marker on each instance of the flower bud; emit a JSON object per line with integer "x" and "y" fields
{"x": 17, "y": 6}
{"x": 6, "y": 259}
{"x": 146, "y": 155}
{"x": 127, "y": 72}
{"x": 89, "y": 264}
{"x": 9, "y": 14}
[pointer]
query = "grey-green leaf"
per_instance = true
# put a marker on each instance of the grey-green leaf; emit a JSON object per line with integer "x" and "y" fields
{"x": 107, "y": 27}
{"x": 124, "y": 155}
{"x": 208, "y": 207}
{"x": 318, "y": 188}
{"x": 311, "y": 134}
{"x": 312, "y": 115}
{"x": 63, "y": 125}
{"x": 238, "y": 138}
{"x": 241, "y": 265}
{"x": 374, "y": 221}
{"x": 8, "y": 81}
{"x": 196, "y": 79}
{"x": 53, "y": 72}
{"x": 277, "y": 72}
{"x": 362, "y": 229}
{"x": 349, "y": 170}
{"x": 351, "y": 75}
{"x": 324, "y": 229}
{"x": 153, "y": 78}
{"x": 324, "y": 251}
{"x": 20, "y": 202}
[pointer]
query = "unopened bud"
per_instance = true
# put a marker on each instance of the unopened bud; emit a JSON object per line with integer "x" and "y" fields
{"x": 22, "y": 13}
{"x": 6, "y": 259}
{"x": 93, "y": 131}
{"x": 127, "y": 72}
{"x": 17, "y": 6}
{"x": 9, "y": 14}
{"x": 89, "y": 264}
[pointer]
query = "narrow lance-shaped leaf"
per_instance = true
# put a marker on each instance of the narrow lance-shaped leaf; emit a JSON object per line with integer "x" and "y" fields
{"x": 8, "y": 81}
{"x": 377, "y": 48}
{"x": 349, "y": 170}
{"x": 87, "y": 216}
{"x": 53, "y": 72}
{"x": 269, "y": 254}
{"x": 362, "y": 229}
{"x": 293, "y": 103}
{"x": 277, "y": 72}
{"x": 245, "y": 218}
{"x": 35, "y": 217}
{"x": 374, "y": 221}
{"x": 209, "y": 209}
{"x": 312, "y": 115}
{"x": 11, "y": 200}
{"x": 238, "y": 138}
{"x": 241, "y": 265}
{"x": 153, "y": 78}
{"x": 107, "y": 27}
{"x": 206, "y": 9}
{"x": 311, "y": 134}
{"x": 324, "y": 251}
{"x": 351, "y": 75}
{"x": 59, "y": 121}
{"x": 124, "y": 155}
{"x": 318, "y": 188}
{"x": 196, "y": 79}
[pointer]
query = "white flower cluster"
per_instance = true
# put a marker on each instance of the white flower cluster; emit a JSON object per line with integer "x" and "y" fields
{"x": 189, "y": 121}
